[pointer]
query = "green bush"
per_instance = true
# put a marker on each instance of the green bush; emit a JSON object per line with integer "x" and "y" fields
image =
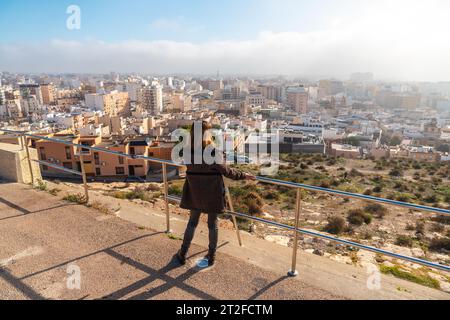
{"x": 355, "y": 173}
{"x": 175, "y": 190}
{"x": 76, "y": 198}
{"x": 437, "y": 227}
{"x": 376, "y": 210}
{"x": 377, "y": 189}
{"x": 404, "y": 241}
{"x": 271, "y": 195}
{"x": 439, "y": 244}
{"x": 396, "y": 172}
{"x": 447, "y": 198}
{"x": 325, "y": 184}
{"x": 248, "y": 199}
{"x": 336, "y": 225}
{"x": 420, "y": 228}
{"x": 423, "y": 279}
{"x": 54, "y": 191}
{"x": 41, "y": 185}
{"x": 402, "y": 197}
{"x": 357, "y": 217}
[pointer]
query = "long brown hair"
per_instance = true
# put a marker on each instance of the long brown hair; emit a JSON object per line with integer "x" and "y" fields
{"x": 205, "y": 140}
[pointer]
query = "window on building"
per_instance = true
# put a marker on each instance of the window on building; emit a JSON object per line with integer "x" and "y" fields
{"x": 98, "y": 171}
{"x": 121, "y": 160}
{"x": 132, "y": 151}
{"x": 120, "y": 170}
{"x": 68, "y": 165}
{"x": 83, "y": 150}
{"x": 42, "y": 153}
{"x": 68, "y": 153}
{"x": 97, "y": 158}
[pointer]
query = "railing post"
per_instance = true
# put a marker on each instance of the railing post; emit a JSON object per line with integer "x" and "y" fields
{"x": 21, "y": 142}
{"x": 30, "y": 167}
{"x": 83, "y": 171}
{"x": 166, "y": 197}
{"x": 293, "y": 272}
{"x": 230, "y": 205}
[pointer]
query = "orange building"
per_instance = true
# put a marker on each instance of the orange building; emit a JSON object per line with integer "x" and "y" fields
{"x": 116, "y": 103}
{"x": 48, "y": 93}
{"x": 100, "y": 164}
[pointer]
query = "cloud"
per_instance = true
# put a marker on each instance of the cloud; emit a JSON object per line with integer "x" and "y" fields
{"x": 178, "y": 25}
{"x": 404, "y": 43}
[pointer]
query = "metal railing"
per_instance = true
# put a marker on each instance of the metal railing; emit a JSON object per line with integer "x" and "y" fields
{"x": 298, "y": 186}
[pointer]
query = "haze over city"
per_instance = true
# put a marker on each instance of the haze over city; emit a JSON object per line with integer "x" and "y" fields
{"x": 397, "y": 40}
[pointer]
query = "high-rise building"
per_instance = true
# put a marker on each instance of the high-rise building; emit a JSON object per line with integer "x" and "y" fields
{"x": 270, "y": 92}
{"x": 231, "y": 92}
{"x": 389, "y": 99}
{"x": 30, "y": 106}
{"x": 330, "y": 87}
{"x": 181, "y": 102}
{"x": 297, "y": 98}
{"x": 116, "y": 103}
{"x": 2, "y": 96}
{"x": 48, "y": 93}
{"x": 170, "y": 82}
{"x": 150, "y": 99}
{"x": 133, "y": 90}
{"x": 113, "y": 104}
{"x": 88, "y": 88}
{"x": 214, "y": 85}
{"x": 94, "y": 101}
{"x": 31, "y": 89}
{"x": 256, "y": 99}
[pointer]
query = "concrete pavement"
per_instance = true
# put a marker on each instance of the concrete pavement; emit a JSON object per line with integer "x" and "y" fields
{"x": 45, "y": 241}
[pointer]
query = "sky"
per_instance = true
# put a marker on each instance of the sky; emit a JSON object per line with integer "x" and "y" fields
{"x": 394, "y": 39}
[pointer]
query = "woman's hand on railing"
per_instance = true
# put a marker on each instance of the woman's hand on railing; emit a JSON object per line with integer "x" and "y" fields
{"x": 249, "y": 176}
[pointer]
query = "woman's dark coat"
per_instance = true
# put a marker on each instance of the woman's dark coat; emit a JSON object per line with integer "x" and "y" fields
{"x": 204, "y": 188}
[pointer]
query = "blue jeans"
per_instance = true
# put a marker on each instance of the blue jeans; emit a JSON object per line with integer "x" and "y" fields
{"x": 192, "y": 225}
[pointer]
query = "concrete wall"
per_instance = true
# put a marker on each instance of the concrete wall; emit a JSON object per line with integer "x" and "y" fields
{"x": 14, "y": 164}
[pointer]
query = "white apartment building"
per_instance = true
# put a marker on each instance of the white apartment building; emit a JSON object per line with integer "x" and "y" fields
{"x": 256, "y": 99}
{"x": 94, "y": 101}
{"x": 2, "y": 96}
{"x": 133, "y": 90}
{"x": 3, "y": 111}
{"x": 31, "y": 105}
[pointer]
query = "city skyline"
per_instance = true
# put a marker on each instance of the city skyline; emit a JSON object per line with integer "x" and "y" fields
{"x": 396, "y": 41}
